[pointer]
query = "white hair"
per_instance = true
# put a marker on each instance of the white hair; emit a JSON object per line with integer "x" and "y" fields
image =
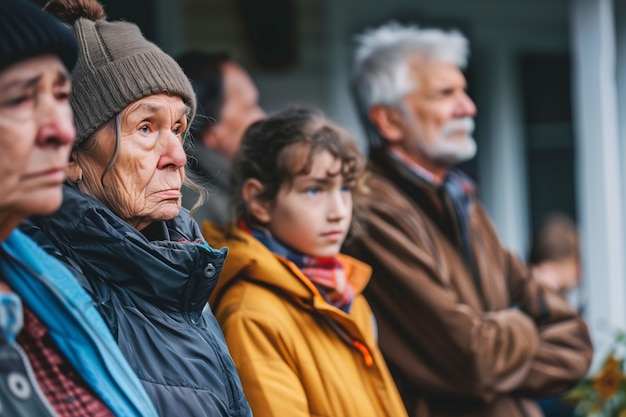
{"x": 381, "y": 68}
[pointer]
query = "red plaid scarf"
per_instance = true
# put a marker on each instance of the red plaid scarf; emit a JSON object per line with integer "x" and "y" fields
{"x": 328, "y": 275}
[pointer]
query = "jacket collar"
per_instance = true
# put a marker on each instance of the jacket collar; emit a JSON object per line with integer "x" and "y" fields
{"x": 177, "y": 272}
{"x": 433, "y": 199}
{"x": 251, "y": 258}
{"x": 414, "y": 168}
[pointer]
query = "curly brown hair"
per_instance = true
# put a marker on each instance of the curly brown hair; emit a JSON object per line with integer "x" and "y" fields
{"x": 282, "y": 146}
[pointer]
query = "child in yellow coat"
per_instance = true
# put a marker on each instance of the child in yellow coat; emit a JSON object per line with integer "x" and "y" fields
{"x": 300, "y": 332}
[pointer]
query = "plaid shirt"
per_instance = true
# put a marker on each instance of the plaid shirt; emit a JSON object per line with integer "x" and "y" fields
{"x": 64, "y": 389}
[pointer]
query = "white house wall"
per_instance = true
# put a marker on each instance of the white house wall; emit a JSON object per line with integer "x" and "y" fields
{"x": 600, "y": 196}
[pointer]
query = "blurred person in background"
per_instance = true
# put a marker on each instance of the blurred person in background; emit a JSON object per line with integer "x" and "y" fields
{"x": 555, "y": 261}
{"x": 228, "y": 102}
{"x": 465, "y": 329}
{"x": 555, "y": 253}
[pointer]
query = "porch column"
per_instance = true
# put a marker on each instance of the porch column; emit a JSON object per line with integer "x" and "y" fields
{"x": 598, "y": 165}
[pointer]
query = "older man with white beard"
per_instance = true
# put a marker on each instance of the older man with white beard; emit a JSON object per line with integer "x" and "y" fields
{"x": 465, "y": 328}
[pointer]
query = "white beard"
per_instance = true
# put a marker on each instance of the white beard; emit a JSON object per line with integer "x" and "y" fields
{"x": 453, "y": 150}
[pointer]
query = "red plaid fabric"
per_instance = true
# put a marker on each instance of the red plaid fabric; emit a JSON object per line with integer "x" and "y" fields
{"x": 328, "y": 275}
{"x": 63, "y": 387}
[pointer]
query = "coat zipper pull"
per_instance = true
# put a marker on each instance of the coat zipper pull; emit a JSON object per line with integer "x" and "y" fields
{"x": 367, "y": 356}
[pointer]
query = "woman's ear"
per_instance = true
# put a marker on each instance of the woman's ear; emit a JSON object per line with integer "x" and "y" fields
{"x": 74, "y": 171}
{"x": 258, "y": 208}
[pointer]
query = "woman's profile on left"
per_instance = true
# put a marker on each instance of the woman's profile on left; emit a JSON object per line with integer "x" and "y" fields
{"x": 57, "y": 357}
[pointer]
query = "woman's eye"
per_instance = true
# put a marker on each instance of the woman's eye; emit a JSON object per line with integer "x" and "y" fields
{"x": 63, "y": 95}
{"x": 313, "y": 191}
{"x": 16, "y": 101}
{"x": 177, "y": 130}
{"x": 144, "y": 129}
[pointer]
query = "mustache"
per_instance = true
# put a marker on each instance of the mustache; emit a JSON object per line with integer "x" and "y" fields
{"x": 465, "y": 124}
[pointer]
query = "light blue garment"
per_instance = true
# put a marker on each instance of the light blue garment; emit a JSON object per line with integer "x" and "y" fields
{"x": 55, "y": 296}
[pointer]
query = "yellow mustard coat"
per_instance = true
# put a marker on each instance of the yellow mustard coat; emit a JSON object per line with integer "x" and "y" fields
{"x": 296, "y": 354}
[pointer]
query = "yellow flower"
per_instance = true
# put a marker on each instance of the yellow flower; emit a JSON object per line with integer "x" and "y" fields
{"x": 608, "y": 380}
{"x": 622, "y": 413}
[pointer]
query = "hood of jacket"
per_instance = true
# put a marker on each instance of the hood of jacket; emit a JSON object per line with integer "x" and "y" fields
{"x": 177, "y": 272}
{"x": 250, "y": 258}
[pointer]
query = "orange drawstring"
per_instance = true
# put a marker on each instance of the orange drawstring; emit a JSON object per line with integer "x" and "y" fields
{"x": 369, "y": 361}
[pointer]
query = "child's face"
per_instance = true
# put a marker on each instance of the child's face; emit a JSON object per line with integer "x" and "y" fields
{"x": 312, "y": 215}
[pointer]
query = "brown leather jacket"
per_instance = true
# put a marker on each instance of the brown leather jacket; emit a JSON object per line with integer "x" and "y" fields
{"x": 479, "y": 338}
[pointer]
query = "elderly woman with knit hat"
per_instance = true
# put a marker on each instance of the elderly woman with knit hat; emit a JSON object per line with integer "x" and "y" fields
{"x": 57, "y": 356}
{"x": 121, "y": 227}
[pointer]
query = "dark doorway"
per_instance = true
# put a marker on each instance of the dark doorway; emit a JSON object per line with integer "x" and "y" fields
{"x": 549, "y": 135}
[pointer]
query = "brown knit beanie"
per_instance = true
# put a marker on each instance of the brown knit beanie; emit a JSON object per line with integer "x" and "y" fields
{"x": 116, "y": 66}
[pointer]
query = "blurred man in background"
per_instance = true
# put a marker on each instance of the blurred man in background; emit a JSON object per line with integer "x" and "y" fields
{"x": 465, "y": 329}
{"x": 228, "y": 102}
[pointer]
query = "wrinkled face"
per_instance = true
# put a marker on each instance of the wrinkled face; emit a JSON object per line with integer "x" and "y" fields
{"x": 241, "y": 109}
{"x": 144, "y": 183}
{"x": 312, "y": 215}
{"x": 36, "y": 135}
{"x": 438, "y": 114}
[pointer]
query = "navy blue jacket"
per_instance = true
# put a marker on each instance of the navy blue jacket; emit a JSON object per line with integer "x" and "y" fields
{"x": 152, "y": 289}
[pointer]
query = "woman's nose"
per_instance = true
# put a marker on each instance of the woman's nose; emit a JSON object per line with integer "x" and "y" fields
{"x": 56, "y": 123}
{"x": 174, "y": 153}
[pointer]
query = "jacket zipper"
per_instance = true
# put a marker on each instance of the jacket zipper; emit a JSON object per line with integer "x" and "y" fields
{"x": 353, "y": 343}
{"x": 467, "y": 255}
{"x": 229, "y": 384}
